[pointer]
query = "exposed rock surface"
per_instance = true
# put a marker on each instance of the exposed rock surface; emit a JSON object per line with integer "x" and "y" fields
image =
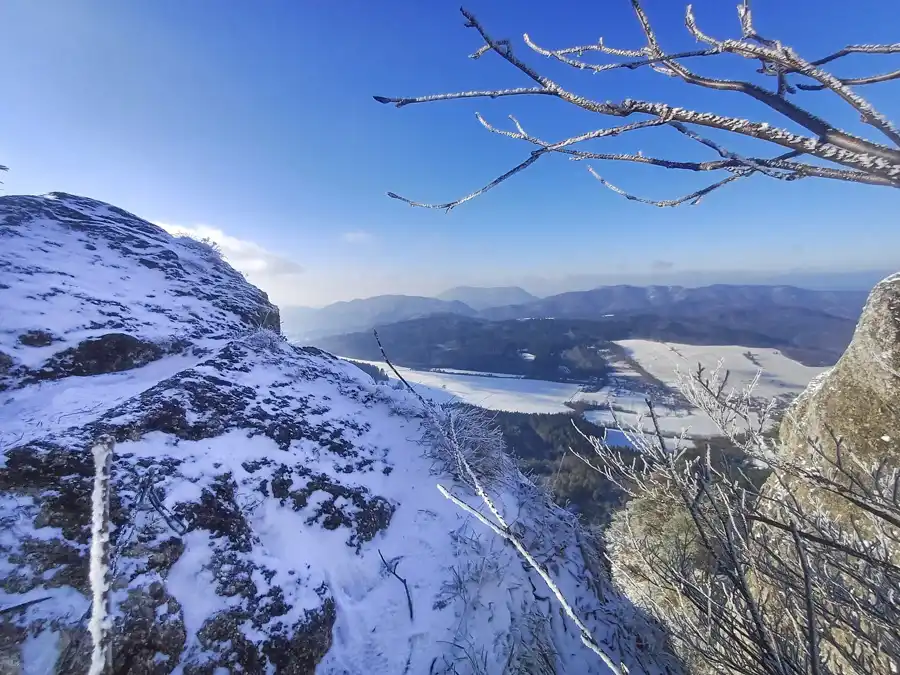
{"x": 858, "y": 400}
{"x": 256, "y": 485}
{"x": 75, "y": 270}
{"x": 841, "y": 427}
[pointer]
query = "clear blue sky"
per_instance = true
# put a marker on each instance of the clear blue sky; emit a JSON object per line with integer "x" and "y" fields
{"x": 256, "y": 119}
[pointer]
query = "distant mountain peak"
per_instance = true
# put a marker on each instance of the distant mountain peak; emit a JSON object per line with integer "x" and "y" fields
{"x": 479, "y": 298}
{"x": 364, "y": 313}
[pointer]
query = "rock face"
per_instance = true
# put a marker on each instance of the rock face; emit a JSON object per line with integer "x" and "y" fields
{"x": 260, "y": 490}
{"x": 75, "y": 272}
{"x": 859, "y": 399}
{"x": 852, "y": 415}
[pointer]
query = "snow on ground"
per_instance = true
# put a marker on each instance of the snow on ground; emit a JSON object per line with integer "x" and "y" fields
{"x": 466, "y": 587}
{"x": 49, "y": 407}
{"x": 506, "y": 393}
{"x": 780, "y": 375}
{"x": 628, "y": 389}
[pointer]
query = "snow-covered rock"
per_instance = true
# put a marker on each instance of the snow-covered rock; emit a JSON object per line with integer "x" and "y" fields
{"x": 88, "y": 288}
{"x": 856, "y": 401}
{"x": 262, "y": 493}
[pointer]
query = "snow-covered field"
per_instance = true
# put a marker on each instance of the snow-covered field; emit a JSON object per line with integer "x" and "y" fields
{"x": 494, "y": 392}
{"x": 781, "y": 377}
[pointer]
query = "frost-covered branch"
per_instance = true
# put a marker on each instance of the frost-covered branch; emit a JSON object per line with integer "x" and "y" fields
{"x": 783, "y": 59}
{"x": 859, "y": 160}
{"x": 392, "y": 568}
{"x": 100, "y": 626}
{"x": 763, "y": 559}
{"x": 462, "y": 449}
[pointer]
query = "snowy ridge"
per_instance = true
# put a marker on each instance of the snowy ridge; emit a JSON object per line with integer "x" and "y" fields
{"x": 256, "y": 488}
{"x": 74, "y": 269}
{"x": 278, "y": 476}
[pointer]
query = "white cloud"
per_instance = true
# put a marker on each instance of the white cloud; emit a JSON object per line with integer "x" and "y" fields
{"x": 357, "y": 237}
{"x": 273, "y": 273}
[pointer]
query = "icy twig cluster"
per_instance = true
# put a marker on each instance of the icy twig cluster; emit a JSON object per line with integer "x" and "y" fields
{"x": 763, "y": 562}
{"x": 831, "y": 152}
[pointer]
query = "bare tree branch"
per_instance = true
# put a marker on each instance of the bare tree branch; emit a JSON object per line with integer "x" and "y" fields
{"x": 870, "y": 79}
{"x": 858, "y": 49}
{"x": 522, "y": 91}
{"x": 860, "y": 160}
{"x": 100, "y": 579}
{"x": 561, "y": 55}
{"x": 449, "y": 206}
{"x": 535, "y": 155}
{"x": 392, "y": 568}
{"x": 786, "y": 59}
{"x": 810, "y": 600}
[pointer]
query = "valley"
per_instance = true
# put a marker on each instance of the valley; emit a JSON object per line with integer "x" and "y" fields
{"x": 536, "y": 416}
{"x": 635, "y": 370}
{"x": 596, "y": 358}
{"x": 599, "y": 355}
{"x": 812, "y": 327}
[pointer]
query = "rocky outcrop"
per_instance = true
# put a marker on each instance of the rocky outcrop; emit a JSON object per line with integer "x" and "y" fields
{"x": 262, "y": 493}
{"x": 844, "y": 425}
{"x": 89, "y": 288}
{"x": 857, "y": 401}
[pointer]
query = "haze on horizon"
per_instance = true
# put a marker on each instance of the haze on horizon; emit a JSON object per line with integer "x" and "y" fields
{"x": 248, "y": 126}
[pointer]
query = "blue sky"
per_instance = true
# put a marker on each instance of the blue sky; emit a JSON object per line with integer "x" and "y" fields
{"x": 254, "y": 122}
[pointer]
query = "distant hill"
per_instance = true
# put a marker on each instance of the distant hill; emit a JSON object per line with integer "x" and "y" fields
{"x": 682, "y": 302}
{"x": 815, "y": 326}
{"x": 819, "y": 280}
{"x": 483, "y": 298}
{"x": 304, "y": 323}
{"x": 577, "y": 349}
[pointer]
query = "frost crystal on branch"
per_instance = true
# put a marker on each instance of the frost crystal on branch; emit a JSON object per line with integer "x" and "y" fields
{"x": 859, "y": 160}
{"x": 762, "y": 561}
{"x": 100, "y": 621}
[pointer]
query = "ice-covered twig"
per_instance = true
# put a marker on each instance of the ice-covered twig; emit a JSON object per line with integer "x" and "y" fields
{"x": 100, "y": 626}
{"x": 392, "y": 568}
{"x": 499, "y": 525}
{"x": 860, "y": 160}
{"x": 693, "y": 198}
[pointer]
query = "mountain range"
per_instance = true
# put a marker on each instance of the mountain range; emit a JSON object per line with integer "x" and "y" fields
{"x": 683, "y": 302}
{"x": 815, "y": 325}
{"x": 480, "y": 298}
{"x": 304, "y": 323}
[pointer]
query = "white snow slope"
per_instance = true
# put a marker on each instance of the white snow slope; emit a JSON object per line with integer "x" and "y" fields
{"x": 493, "y": 391}
{"x": 256, "y": 486}
{"x": 779, "y": 375}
